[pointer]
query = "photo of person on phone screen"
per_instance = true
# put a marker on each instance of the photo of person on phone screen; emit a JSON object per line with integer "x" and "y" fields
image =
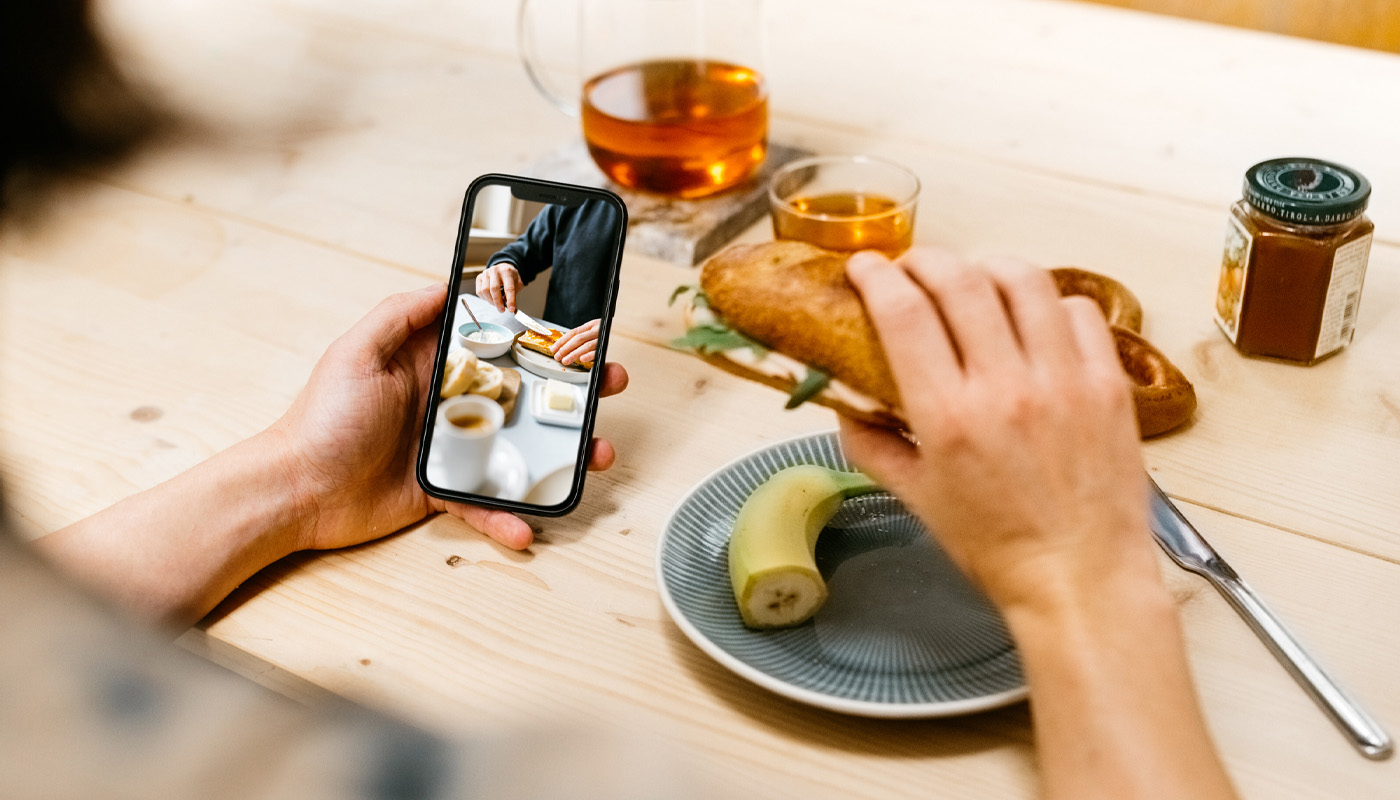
{"x": 572, "y": 240}
{"x": 510, "y": 417}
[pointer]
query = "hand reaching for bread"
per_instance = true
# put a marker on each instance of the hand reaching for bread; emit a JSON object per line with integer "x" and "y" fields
{"x": 1027, "y": 462}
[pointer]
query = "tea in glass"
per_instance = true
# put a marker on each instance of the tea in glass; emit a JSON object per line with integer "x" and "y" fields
{"x": 684, "y": 128}
{"x": 845, "y": 203}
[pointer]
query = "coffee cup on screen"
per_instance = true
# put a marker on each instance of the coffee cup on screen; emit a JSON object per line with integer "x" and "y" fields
{"x": 465, "y": 434}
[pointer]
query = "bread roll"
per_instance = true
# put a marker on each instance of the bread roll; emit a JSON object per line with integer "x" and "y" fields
{"x": 488, "y": 381}
{"x": 457, "y": 375}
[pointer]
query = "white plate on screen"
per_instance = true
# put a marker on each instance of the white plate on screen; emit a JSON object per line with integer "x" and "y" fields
{"x": 507, "y": 476}
{"x": 902, "y": 635}
{"x": 552, "y": 488}
{"x": 546, "y": 367}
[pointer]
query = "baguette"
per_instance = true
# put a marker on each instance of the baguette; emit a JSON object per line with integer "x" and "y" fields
{"x": 793, "y": 301}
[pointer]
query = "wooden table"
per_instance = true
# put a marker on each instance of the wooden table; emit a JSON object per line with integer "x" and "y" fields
{"x": 173, "y": 306}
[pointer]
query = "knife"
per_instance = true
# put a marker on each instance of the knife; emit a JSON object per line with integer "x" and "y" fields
{"x": 1185, "y": 545}
{"x": 534, "y": 324}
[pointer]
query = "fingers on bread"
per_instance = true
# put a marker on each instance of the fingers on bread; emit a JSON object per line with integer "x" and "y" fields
{"x": 541, "y": 344}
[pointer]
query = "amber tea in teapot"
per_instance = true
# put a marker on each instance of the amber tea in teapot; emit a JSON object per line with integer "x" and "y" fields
{"x": 685, "y": 128}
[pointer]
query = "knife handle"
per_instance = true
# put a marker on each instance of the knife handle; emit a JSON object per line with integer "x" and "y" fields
{"x": 1365, "y": 734}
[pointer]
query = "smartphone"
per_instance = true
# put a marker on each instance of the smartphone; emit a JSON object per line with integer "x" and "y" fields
{"x": 524, "y": 339}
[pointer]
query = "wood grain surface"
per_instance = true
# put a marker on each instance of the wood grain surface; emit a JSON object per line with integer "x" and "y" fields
{"x": 165, "y": 309}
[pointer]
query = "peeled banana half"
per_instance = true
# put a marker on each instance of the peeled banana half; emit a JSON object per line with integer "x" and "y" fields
{"x": 772, "y": 563}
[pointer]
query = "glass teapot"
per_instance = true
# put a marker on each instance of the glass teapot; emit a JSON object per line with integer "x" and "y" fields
{"x": 671, "y": 93}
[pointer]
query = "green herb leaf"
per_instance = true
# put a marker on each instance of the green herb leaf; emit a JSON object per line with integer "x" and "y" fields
{"x": 815, "y": 381}
{"x": 680, "y": 290}
{"x": 699, "y": 300}
{"x": 714, "y": 338}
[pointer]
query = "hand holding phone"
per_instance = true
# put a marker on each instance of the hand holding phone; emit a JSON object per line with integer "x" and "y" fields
{"x": 510, "y": 424}
{"x": 350, "y": 455}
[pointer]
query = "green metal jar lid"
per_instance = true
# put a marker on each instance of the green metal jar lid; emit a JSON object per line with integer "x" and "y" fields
{"x": 1308, "y": 191}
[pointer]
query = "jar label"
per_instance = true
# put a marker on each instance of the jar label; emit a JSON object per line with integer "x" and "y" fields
{"x": 1229, "y": 297}
{"x": 1343, "y": 296}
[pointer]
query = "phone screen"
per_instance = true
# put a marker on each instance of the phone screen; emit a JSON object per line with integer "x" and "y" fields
{"x": 521, "y": 353}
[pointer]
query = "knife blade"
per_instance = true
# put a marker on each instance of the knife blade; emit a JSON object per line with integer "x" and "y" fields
{"x": 1189, "y": 549}
{"x": 533, "y": 324}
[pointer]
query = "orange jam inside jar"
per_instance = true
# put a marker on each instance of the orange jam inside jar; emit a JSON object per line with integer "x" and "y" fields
{"x": 1295, "y": 257}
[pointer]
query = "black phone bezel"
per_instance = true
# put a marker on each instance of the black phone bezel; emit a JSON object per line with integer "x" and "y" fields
{"x": 542, "y": 191}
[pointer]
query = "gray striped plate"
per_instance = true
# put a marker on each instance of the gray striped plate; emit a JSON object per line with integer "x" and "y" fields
{"x": 902, "y": 634}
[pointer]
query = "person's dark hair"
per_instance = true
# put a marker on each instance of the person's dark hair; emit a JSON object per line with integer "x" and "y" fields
{"x": 64, "y": 102}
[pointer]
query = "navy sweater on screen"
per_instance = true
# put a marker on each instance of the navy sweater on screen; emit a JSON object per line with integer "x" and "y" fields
{"x": 577, "y": 242}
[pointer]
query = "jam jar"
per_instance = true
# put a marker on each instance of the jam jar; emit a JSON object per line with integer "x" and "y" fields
{"x": 1296, "y": 247}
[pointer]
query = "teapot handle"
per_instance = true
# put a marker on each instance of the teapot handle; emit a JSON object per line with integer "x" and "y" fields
{"x": 529, "y": 57}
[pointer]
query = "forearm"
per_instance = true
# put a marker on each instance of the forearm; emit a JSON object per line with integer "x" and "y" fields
{"x": 1115, "y": 712}
{"x": 171, "y": 553}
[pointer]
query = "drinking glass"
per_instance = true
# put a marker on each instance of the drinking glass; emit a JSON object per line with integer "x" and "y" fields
{"x": 845, "y": 203}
